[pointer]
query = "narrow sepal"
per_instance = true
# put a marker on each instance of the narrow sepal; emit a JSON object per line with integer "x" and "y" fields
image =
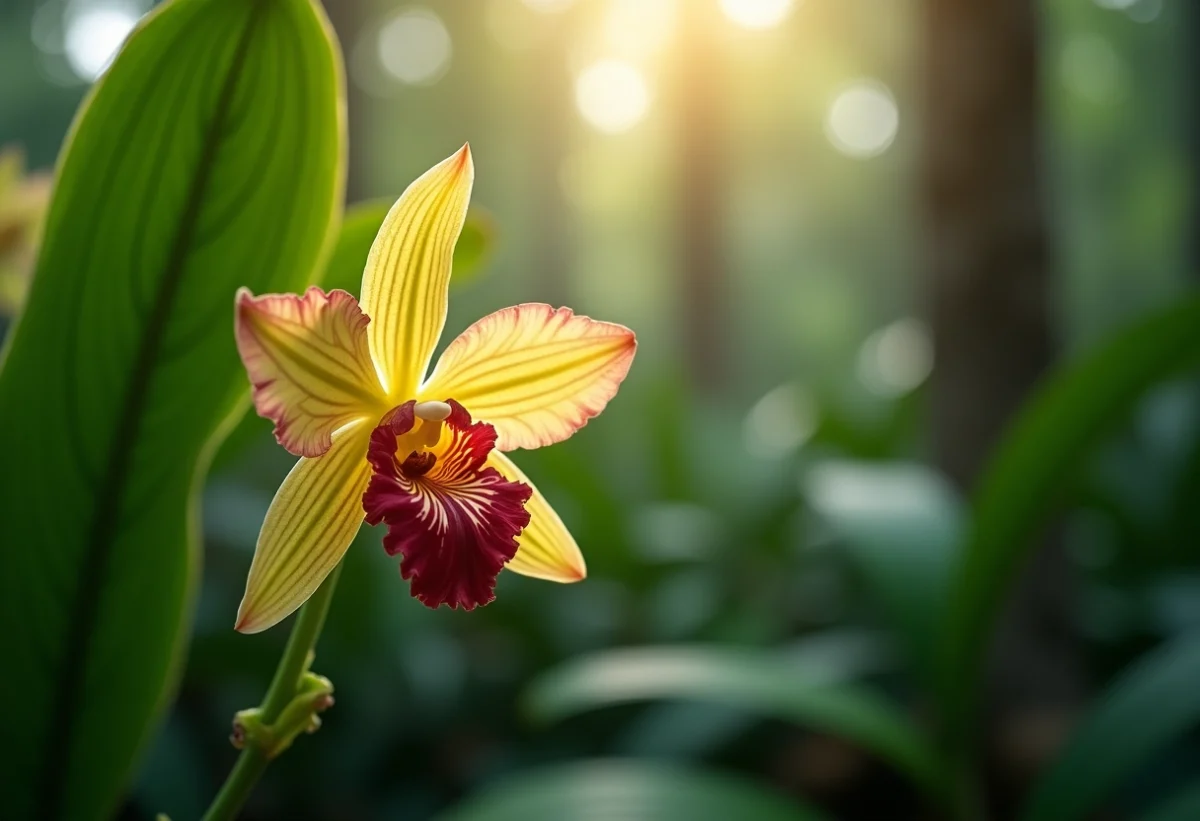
{"x": 545, "y": 548}
{"x": 308, "y": 527}
{"x": 407, "y": 276}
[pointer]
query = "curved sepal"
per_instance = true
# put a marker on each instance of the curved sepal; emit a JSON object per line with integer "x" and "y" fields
{"x": 407, "y": 276}
{"x": 545, "y": 548}
{"x": 311, "y": 522}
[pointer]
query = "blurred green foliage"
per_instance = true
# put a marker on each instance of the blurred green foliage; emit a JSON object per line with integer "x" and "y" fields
{"x": 751, "y": 680}
{"x": 936, "y": 581}
{"x": 1034, "y": 467}
{"x": 820, "y": 598}
{"x": 599, "y": 790}
{"x": 1180, "y": 807}
{"x": 1147, "y": 708}
{"x": 23, "y": 199}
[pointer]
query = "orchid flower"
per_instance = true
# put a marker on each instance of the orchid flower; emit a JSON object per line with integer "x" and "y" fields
{"x": 345, "y": 384}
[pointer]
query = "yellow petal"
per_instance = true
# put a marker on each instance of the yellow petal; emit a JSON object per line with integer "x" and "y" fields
{"x": 408, "y": 272}
{"x": 535, "y": 373}
{"x": 308, "y": 362}
{"x": 545, "y": 549}
{"x": 308, "y": 527}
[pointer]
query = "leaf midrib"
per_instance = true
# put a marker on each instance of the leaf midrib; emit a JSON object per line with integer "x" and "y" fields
{"x": 107, "y": 508}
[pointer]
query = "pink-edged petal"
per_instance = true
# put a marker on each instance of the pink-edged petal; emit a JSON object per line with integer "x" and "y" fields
{"x": 453, "y": 519}
{"x": 537, "y": 374}
{"x": 309, "y": 364}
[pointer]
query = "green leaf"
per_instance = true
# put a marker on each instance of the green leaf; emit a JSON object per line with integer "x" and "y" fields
{"x": 1150, "y": 705}
{"x": 345, "y": 267}
{"x": 1182, "y": 534}
{"x": 208, "y": 157}
{"x": 1032, "y": 466}
{"x": 475, "y": 247}
{"x": 344, "y": 270}
{"x": 900, "y": 524}
{"x": 630, "y": 791}
{"x": 752, "y": 680}
{"x": 1183, "y": 806}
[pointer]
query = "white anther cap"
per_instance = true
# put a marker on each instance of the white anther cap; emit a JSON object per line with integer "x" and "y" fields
{"x": 431, "y": 411}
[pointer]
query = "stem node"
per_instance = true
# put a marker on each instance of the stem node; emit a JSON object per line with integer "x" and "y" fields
{"x": 291, "y": 707}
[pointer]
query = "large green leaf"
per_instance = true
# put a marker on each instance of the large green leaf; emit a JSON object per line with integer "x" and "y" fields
{"x": 753, "y": 680}
{"x": 630, "y": 791}
{"x": 1037, "y": 459}
{"x": 208, "y": 157}
{"x": 900, "y": 524}
{"x": 1155, "y": 702}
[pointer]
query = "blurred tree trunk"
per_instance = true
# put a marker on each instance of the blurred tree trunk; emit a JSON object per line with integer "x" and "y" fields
{"x": 991, "y": 294}
{"x": 701, "y": 187}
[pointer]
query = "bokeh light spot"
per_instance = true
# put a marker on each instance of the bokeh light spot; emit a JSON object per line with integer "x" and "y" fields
{"x": 896, "y": 358}
{"x": 638, "y": 28}
{"x": 512, "y": 25}
{"x": 1145, "y": 11}
{"x": 612, "y": 95}
{"x": 93, "y": 36}
{"x": 414, "y": 47}
{"x": 549, "y": 6}
{"x": 780, "y": 422}
{"x": 1092, "y": 69}
{"x": 46, "y": 28}
{"x": 1140, "y": 11}
{"x": 863, "y": 119}
{"x": 757, "y": 14}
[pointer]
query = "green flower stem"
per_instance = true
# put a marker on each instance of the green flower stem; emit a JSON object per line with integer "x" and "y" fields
{"x": 252, "y": 762}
